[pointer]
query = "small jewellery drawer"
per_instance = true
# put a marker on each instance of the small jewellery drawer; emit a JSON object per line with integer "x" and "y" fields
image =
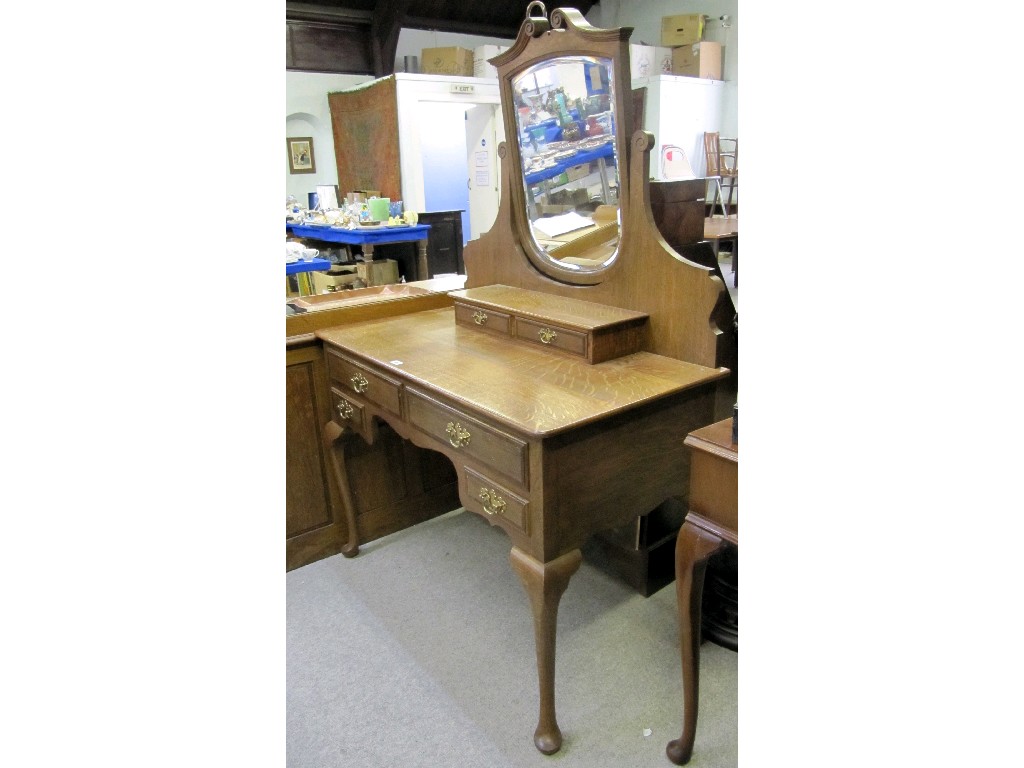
{"x": 496, "y": 501}
{"x": 595, "y": 332}
{"x": 375, "y": 387}
{"x": 494, "y": 449}
{"x": 481, "y": 317}
{"x": 549, "y": 335}
{"x": 346, "y": 411}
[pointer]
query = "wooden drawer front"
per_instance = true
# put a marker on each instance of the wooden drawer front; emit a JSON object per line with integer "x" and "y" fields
{"x": 548, "y": 335}
{"x": 496, "y": 501}
{"x": 494, "y": 449}
{"x": 346, "y": 410}
{"x": 375, "y": 387}
{"x": 478, "y": 317}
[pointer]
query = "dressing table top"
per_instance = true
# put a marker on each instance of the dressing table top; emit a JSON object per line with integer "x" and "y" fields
{"x": 533, "y": 390}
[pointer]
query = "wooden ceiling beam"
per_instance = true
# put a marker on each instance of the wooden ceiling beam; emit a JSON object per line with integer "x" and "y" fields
{"x": 388, "y": 19}
{"x": 461, "y": 27}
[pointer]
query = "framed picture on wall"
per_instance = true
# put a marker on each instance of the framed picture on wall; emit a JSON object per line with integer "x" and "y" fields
{"x": 300, "y": 154}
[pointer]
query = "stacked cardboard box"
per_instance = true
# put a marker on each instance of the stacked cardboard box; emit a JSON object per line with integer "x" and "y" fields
{"x": 447, "y": 61}
{"x": 691, "y": 54}
{"x": 650, "y": 60}
{"x": 703, "y": 59}
{"x": 682, "y": 30}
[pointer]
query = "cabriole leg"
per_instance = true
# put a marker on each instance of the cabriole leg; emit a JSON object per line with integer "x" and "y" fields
{"x": 544, "y": 584}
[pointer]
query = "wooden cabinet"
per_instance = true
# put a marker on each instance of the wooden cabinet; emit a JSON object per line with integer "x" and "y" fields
{"x": 315, "y": 514}
{"x": 444, "y": 246}
{"x": 315, "y": 529}
{"x": 393, "y": 485}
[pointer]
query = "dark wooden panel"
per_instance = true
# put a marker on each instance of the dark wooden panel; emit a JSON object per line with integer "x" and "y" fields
{"x": 444, "y": 246}
{"x": 329, "y": 47}
{"x": 678, "y": 209}
{"x": 307, "y": 498}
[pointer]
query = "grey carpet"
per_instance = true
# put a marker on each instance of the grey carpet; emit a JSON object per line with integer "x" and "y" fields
{"x": 419, "y": 652}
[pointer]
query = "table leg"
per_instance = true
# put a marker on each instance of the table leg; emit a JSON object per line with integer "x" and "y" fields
{"x": 544, "y": 584}
{"x": 735, "y": 262}
{"x": 332, "y": 434}
{"x": 693, "y": 548}
{"x": 422, "y": 268}
{"x": 368, "y": 261}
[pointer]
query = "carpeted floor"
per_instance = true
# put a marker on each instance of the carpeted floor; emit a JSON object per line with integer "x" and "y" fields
{"x": 419, "y": 652}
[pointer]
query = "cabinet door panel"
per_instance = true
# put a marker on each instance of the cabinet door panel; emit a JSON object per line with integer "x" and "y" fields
{"x": 308, "y": 499}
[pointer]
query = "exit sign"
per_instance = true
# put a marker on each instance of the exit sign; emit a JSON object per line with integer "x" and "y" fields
{"x": 461, "y": 88}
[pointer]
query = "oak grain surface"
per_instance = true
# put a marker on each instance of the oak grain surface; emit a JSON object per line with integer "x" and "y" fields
{"x": 530, "y": 389}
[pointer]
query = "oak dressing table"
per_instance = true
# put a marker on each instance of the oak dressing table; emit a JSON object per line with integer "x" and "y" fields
{"x": 561, "y": 392}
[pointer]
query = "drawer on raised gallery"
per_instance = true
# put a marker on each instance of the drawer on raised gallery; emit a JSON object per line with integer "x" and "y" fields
{"x": 497, "y": 501}
{"x": 549, "y": 335}
{"x": 346, "y": 410}
{"x": 486, "y": 444}
{"x": 478, "y": 317}
{"x": 374, "y": 386}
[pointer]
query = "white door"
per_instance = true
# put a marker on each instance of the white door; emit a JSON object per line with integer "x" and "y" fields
{"x": 482, "y": 150}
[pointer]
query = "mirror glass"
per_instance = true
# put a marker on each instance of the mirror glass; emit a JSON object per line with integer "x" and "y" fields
{"x": 566, "y": 129}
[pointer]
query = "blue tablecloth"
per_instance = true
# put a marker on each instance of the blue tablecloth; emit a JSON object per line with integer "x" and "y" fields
{"x": 312, "y": 265}
{"x": 361, "y": 236}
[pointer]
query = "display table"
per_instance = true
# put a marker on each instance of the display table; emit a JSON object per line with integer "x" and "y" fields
{"x": 369, "y": 237}
{"x": 308, "y": 265}
{"x": 603, "y": 154}
{"x": 710, "y": 524}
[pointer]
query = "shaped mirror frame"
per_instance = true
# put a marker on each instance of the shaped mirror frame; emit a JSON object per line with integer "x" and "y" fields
{"x": 546, "y": 56}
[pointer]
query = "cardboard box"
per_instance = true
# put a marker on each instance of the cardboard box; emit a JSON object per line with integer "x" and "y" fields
{"x": 682, "y": 30}
{"x": 447, "y": 61}
{"x": 385, "y": 272}
{"x": 481, "y": 66}
{"x": 649, "y": 60}
{"x": 698, "y": 60}
{"x": 335, "y": 279}
{"x": 577, "y": 172}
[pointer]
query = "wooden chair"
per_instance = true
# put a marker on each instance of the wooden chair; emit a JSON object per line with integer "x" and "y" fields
{"x": 722, "y": 166}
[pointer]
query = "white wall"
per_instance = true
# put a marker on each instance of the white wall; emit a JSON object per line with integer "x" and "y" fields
{"x": 308, "y": 114}
{"x": 645, "y": 18}
{"x": 412, "y": 90}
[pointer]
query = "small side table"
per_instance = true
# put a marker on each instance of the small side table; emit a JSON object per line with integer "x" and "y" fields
{"x": 710, "y": 524}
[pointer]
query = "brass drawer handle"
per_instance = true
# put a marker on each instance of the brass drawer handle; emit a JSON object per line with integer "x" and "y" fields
{"x": 457, "y": 434}
{"x": 345, "y": 409}
{"x": 479, "y": 317}
{"x": 493, "y": 503}
{"x": 547, "y": 335}
{"x": 359, "y": 383}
